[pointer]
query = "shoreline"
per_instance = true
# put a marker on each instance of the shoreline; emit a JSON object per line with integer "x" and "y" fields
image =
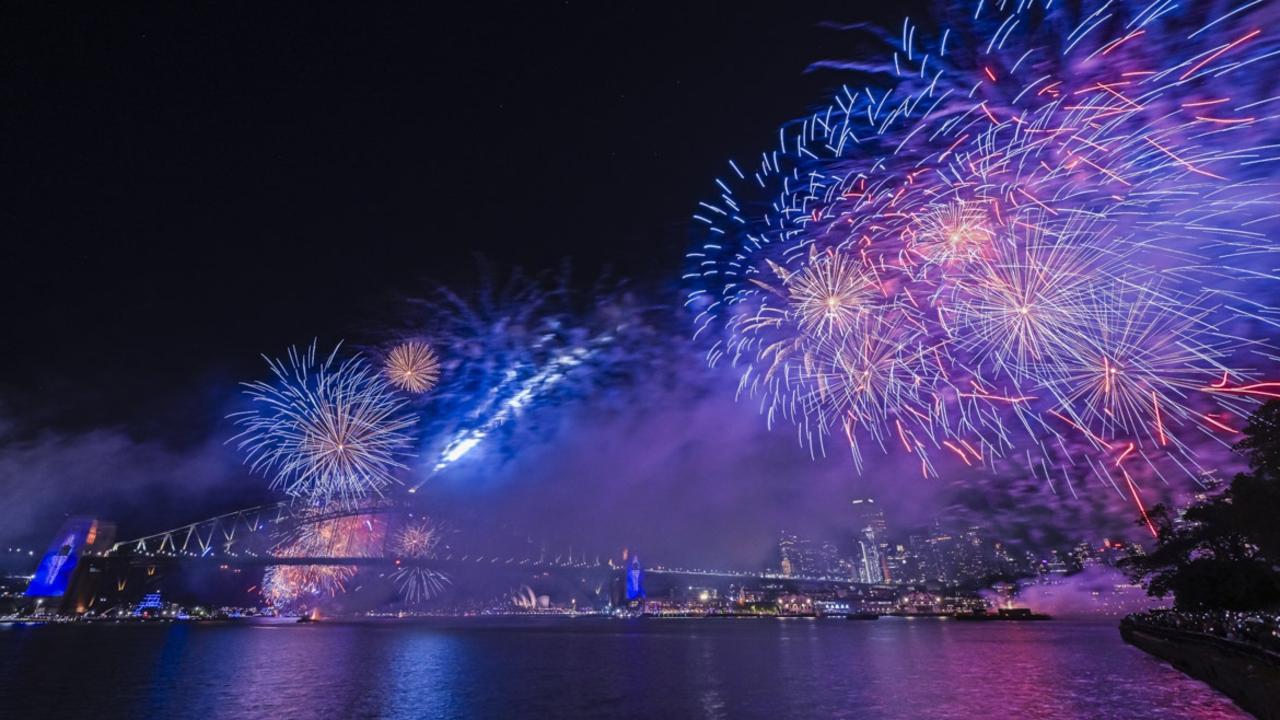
{"x": 1249, "y": 675}
{"x": 481, "y": 617}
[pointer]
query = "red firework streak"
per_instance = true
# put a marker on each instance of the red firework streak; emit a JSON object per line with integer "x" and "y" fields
{"x": 1133, "y": 490}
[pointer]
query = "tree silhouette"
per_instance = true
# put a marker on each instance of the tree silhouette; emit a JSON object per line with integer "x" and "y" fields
{"x": 1224, "y": 551}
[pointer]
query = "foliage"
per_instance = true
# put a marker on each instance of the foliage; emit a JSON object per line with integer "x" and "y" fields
{"x": 1223, "y": 552}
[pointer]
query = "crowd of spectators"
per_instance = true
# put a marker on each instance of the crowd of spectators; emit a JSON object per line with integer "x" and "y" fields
{"x": 1259, "y": 629}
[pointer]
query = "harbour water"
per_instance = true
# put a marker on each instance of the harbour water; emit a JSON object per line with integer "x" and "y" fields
{"x": 543, "y": 667}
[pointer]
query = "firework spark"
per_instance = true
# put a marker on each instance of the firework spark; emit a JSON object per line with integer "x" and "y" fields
{"x": 301, "y": 586}
{"x": 418, "y": 540}
{"x": 413, "y": 367}
{"x": 954, "y": 232}
{"x": 1038, "y": 229}
{"x": 414, "y": 581}
{"x": 325, "y": 431}
{"x": 297, "y": 586}
{"x": 830, "y": 294}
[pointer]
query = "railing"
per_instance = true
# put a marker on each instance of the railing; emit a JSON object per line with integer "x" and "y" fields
{"x": 219, "y": 534}
{"x": 202, "y": 538}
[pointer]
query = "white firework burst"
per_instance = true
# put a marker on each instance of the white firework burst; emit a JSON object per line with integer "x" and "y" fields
{"x": 325, "y": 431}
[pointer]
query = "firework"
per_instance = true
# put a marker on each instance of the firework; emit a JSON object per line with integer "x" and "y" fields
{"x": 518, "y": 344}
{"x": 1034, "y": 232}
{"x": 1150, "y": 357}
{"x": 830, "y": 294}
{"x": 343, "y": 535}
{"x": 1024, "y": 312}
{"x": 417, "y": 584}
{"x": 418, "y": 540}
{"x": 954, "y": 232}
{"x": 414, "y": 581}
{"x": 325, "y": 431}
{"x": 321, "y": 535}
{"x": 301, "y": 586}
{"x": 413, "y": 367}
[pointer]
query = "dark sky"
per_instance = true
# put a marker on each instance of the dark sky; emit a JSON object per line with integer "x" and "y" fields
{"x": 188, "y": 185}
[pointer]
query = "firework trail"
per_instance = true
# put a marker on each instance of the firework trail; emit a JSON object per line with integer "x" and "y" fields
{"x": 523, "y": 342}
{"x": 1039, "y": 234}
{"x": 325, "y": 431}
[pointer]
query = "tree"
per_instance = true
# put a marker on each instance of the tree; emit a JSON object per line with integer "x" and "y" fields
{"x": 1261, "y": 443}
{"x": 1224, "y": 552}
{"x": 1256, "y": 495}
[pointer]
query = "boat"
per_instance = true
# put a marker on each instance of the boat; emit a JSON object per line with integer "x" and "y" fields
{"x": 1020, "y": 614}
{"x": 1015, "y": 614}
{"x": 267, "y": 619}
{"x": 862, "y": 616}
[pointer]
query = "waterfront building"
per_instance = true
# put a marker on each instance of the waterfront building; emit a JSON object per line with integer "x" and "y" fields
{"x": 1005, "y": 562}
{"x": 795, "y": 604}
{"x": 832, "y": 607}
{"x": 1083, "y": 556}
{"x": 942, "y": 565}
{"x": 1114, "y": 551}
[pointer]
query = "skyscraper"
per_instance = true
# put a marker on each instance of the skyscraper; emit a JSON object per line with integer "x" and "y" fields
{"x": 870, "y": 569}
{"x": 788, "y": 553}
{"x": 805, "y": 557}
{"x": 944, "y": 560}
{"x": 871, "y": 534}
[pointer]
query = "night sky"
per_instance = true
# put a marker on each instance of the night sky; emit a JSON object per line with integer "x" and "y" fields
{"x": 190, "y": 186}
{"x": 187, "y": 187}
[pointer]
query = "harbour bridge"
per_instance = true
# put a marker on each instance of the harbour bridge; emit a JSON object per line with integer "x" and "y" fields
{"x": 257, "y": 537}
{"x": 252, "y": 536}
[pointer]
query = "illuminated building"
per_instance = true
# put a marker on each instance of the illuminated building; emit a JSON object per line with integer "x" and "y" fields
{"x": 1056, "y": 566}
{"x": 832, "y": 607}
{"x": 872, "y": 536}
{"x": 62, "y": 577}
{"x": 802, "y": 557}
{"x": 869, "y": 564}
{"x": 635, "y": 580}
{"x": 787, "y": 551}
{"x": 898, "y": 561}
{"x": 795, "y": 604}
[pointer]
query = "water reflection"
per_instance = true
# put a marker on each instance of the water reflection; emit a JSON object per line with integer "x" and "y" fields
{"x": 593, "y": 668}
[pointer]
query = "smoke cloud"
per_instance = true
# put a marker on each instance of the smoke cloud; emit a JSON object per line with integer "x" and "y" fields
{"x": 143, "y": 485}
